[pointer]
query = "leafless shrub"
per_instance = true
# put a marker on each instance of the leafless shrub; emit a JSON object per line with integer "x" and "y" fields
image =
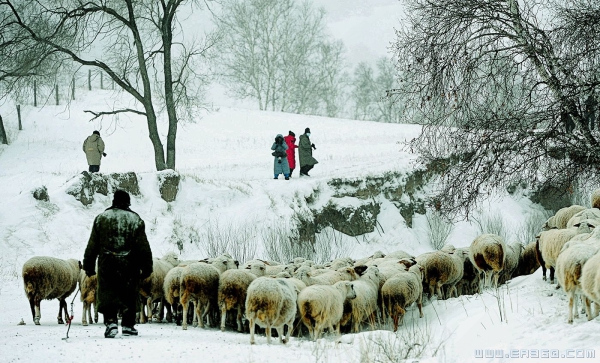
{"x": 237, "y": 240}
{"x": 491, "y": 223}
{"x": 531, "y": 226}
{"x": 412, "y": 341}
{"x": 439, "y": 229}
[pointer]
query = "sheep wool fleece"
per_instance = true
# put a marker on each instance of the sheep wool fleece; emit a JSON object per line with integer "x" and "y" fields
{"x": 118, "y": 239}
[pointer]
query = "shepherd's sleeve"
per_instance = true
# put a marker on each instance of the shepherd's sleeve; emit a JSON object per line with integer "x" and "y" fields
{"x": 91, "y": 251}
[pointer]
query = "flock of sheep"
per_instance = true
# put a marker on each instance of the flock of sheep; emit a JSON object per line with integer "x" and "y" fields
{"x": 343, "y": 293}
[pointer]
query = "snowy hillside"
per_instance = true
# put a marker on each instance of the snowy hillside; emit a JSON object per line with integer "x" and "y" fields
{"x": 225, "y": 162}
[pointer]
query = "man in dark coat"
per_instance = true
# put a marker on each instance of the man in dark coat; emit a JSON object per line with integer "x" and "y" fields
{"x": 305, "y": 148}
{"x": 119, "y": 241}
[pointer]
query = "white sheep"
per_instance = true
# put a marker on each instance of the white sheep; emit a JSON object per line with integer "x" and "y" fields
{"x": 399, "y": 255}
{"x": 401, "y": 291}
{"x": 569, "y": 265}
{"x": 550, "y": 244}
{"x": 511, "y": 261}
{"x": 200, "y": 285}
{"x": 590, "y": 282}
{"x": 440, "y": 268}
{"x": 87, "y": 295}
{"x": 171, "y": 289}
{"x": 592, "y": 215}
{"x": 365, "y": 260}
{"x": 47, "y": 278}
{"x": 487, "y": 253}
{"x": 340, "y": 262}
{"x": 271, "y": 303}
{"x": 233, "y": 287}
{"x": 561, "y": 218}
{"x": 365, "y": 306}
{"x": 322, "y": 306}
{"x": 151, "y": 288}
{"x": 328, "y": 278}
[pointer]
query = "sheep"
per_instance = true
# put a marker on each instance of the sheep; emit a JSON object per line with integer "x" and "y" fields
{"x": 440, "y": 268}
{"x": 561, "y": 218}
{"x": 399, "y": 255}
{"x": 88, "y": 287}
{"x": 550, "y": 243}
{"x": 528, "y": 262}
{"x": 595, "y": 198}
{"x": 569, "y": 264}
{"x": 401, "y": 291}
{"x": 151, "y": 288}
{"x": 233, "y": 286}
{"x": 328, "y": 278}
{"x": 469, "y": 282}
{"x": 200, "y": 285}
{"x": 364, "y": 261}
{"x": 322, "y": 306}
{"x": 271, "y": 303}
{"x": 47, "y": 278}
{"x": 487, "y": 253}
{"x": 171, "y": 289}
{"x": 511, "y": 261}
{"x": 591, "y": 214}
{"x": 590, "y": 282}
{"x": 365, "y": 306}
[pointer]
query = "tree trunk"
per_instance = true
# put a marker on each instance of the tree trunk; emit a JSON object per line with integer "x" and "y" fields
{"x": 3, "y": 137}
{"x": 167, "y": 38}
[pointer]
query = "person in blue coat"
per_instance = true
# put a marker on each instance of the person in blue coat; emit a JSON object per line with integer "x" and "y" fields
{"x": 280, "y": 162}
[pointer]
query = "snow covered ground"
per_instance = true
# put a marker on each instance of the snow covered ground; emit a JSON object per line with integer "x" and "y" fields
{"x": 224, "y": 158}
{"x": 226, "y": 163}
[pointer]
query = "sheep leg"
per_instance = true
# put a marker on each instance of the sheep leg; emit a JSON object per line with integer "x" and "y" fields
{"x": 169, "y": 317}
{"x": 596, "y": 310}
{"x": 205, "y": 314}
{"x": 199, "y": 315}
{"x": 575, "y": 305}
{"x": 251, "y": 322}
{"x": 571, "y": 298}
{"x": 60, "y": 308}
{"x": 551, "y": 275}
{"x": 149, "y": 307}
{"x": 496, "y": 277}
{"x": 268, "y": 332}
{"x": 95, "y": 312}
{"x": 438, "y": 291}
{"x": 38, "y": 313}
{"x": 394, "y": 315}
{"x": 143, "y": 313}
{"x": 185, "y": 305}
{"x": 84, "y": 315}
{"x": 280, "y": 334}
{"x": 588, "y": 310}
{"x": 420, "y": 305}
{"x": 224, "y": 316}
{"x": 239, "y": 318}
{"x": 161, "y": 310}
{"x": 89, "y": 312}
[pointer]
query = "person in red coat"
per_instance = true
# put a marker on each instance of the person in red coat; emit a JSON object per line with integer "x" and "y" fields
{"x": 290, "y": 140}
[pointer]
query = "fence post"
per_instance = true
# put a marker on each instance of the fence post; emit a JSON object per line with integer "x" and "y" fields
{"x": 73, "y": 88}
{"x": 89, "y": 79}
{"x": 56, "y": 93}
{"x": 34, "y": 93}
{"x": 3, "y": 137}
{"x": 19, "y": 117}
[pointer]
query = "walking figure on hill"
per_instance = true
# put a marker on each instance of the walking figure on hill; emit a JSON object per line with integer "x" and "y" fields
{"x": 280, "y": 162}
{"x": 119, "y": 241}
{"x": 93, "y": 146}
{"x": 290, "y": 141}
{"x": 305, "y": 148}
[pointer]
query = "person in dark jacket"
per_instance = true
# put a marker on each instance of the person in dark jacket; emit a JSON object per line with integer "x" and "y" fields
{"x": 290, "y": 141}
{"x": 305, "y": 148}
{"x": 280, "y": 163}
{"x": 93, "y": 146}
{"x": 118, "y": 239}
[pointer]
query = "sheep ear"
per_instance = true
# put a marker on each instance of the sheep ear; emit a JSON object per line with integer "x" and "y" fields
{"x": 360, "y": 269}
{"x": 237, "y": 263}
{"x": 225, "y": 262}
{"x": 80, "y": 265}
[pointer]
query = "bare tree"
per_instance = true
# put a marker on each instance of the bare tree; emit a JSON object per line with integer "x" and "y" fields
{"x": 276, "y": 52}
{"x": 128, "y": 40}
{"x": 501, "y": 87}
{"x": 370, "y": 88}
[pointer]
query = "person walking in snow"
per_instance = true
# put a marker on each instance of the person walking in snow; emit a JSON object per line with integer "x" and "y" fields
{"x": 305, "y": 148}
{"x": 280, "y": 163}
{"x": 93, "y": 147}
{"x": 118, "y": 240}
{"x": 290, "y": 141}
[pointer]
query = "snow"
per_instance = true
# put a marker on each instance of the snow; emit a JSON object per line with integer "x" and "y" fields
{"x": 225, "y": 162}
